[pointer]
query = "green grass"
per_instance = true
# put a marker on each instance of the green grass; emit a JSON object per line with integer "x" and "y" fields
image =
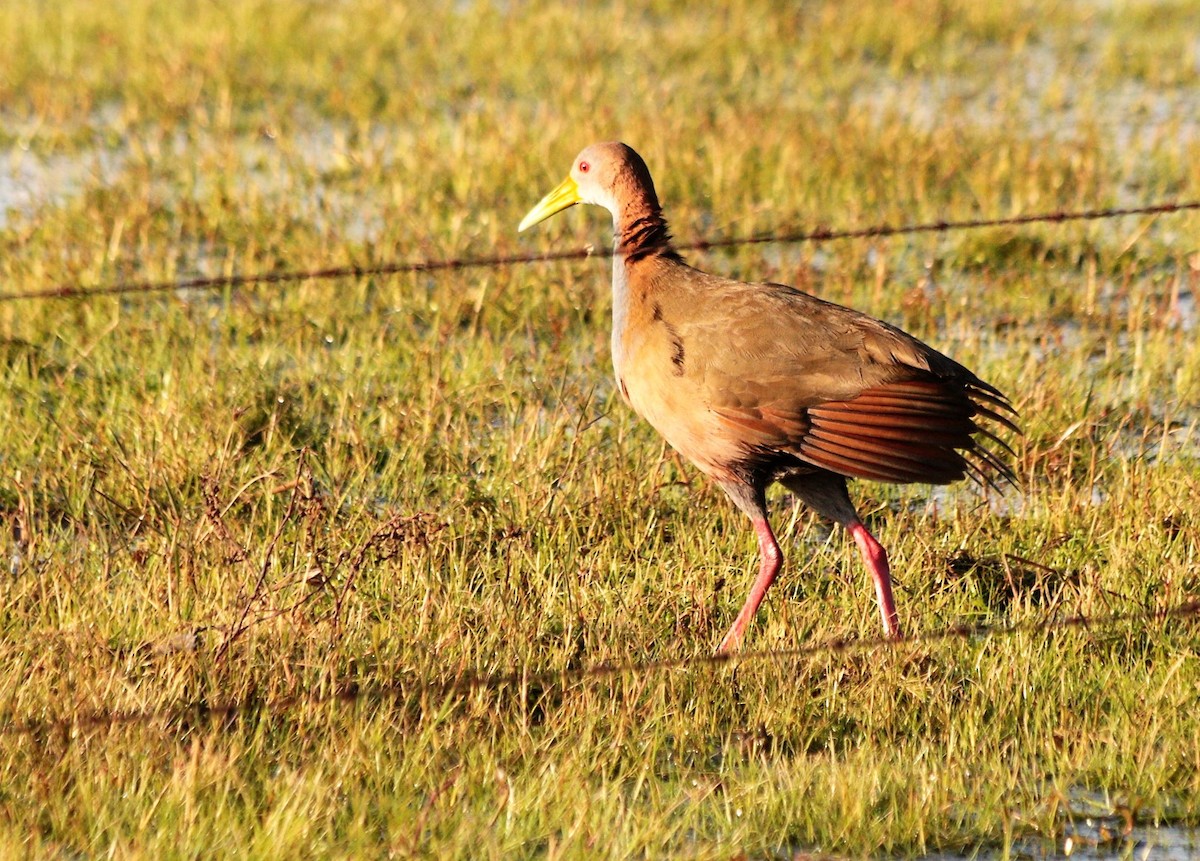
{"x": 274, "y": 496}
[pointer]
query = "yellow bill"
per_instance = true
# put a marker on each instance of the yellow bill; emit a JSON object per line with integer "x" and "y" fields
{"x": 567, "y": 194}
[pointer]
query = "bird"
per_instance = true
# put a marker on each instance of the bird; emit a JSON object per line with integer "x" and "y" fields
{"x": 758, "y": 383}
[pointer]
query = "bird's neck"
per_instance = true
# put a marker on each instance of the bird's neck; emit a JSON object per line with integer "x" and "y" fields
{"x": 641, "y": 231}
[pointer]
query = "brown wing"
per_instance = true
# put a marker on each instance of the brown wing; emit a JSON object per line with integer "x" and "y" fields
{"x": 850, "y": 394}
{"x": 912, "y": 431}
{"x": 916, "y": 431}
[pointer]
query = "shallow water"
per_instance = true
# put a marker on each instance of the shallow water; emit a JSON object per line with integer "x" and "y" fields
{"x": 1040, "y": 93}
{"x": 1098, "y": 838}
{"x": 29, "y": 182}
{"x": 1089, "y": 826}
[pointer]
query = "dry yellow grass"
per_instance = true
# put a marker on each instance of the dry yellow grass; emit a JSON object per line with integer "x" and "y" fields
{"x": 383, "y": 484}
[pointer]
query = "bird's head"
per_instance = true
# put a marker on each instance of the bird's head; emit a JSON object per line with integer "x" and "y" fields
{"x": 606, "y": 174}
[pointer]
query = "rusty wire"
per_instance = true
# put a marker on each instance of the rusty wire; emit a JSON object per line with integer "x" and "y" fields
{"x": 820, "y": 234}
{"x": 523, "y": 678}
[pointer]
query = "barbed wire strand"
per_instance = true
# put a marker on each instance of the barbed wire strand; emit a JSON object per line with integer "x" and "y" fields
{"x": 466, "y": 683}
{"x": 820, "y": 234}
{"x": 524, "y": 679}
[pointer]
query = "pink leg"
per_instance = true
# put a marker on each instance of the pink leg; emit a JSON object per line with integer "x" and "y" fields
{"x": 876, "y": 560}
{"x": 768, "y": 570}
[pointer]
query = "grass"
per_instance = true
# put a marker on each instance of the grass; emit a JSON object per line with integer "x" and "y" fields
{"x": 279, "y": 496}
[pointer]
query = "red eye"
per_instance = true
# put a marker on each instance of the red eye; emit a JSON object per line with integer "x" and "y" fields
{"x": 584, "y": 167}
